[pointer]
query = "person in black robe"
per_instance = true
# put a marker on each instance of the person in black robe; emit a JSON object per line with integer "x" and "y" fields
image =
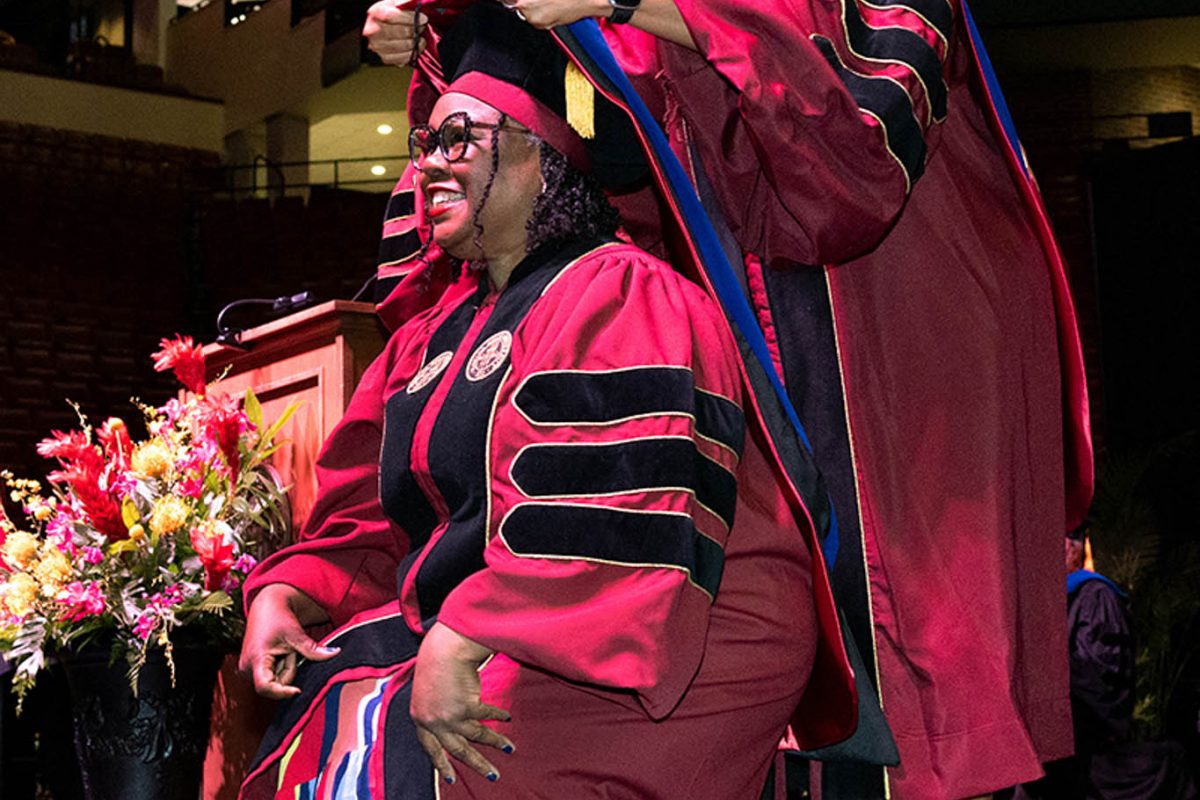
{"x": 1107, "y": 764}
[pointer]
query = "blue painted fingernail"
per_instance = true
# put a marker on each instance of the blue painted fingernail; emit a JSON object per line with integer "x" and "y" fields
{"x": 508, "y": 748}
{"x": 449, "y": 779}
{"x": 493, "y": 777}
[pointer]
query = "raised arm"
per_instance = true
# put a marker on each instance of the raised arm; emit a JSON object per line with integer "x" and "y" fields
{"x": 813, "y": 120}
{"x": 389, "y": 27}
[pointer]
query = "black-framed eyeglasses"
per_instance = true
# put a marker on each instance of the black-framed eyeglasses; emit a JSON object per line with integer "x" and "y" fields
{"x": 451, "y": 137}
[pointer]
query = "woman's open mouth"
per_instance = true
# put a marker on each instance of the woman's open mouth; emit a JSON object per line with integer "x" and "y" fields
{"x": 442, "y": 201}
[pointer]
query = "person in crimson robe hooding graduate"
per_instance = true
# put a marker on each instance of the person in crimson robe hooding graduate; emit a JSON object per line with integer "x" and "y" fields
{"x": 858, "y": 163}
{"x": 559, "y": 557}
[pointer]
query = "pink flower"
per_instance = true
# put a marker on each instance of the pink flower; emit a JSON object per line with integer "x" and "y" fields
{"x": 194, "y": 465}
{"x": 185, "y": 359}
{"x": 93, "y": 555}
{"x": 123, "y": 484}
{"x": 245, "y": 563}
{"x": 61, "y": 526}
{"x": 173, "y": 410}
{"x": 82, "y": 600}
{"x": 160, "y": 603}
{"x": 145, "y": 624}
{"x": 63, "y": 543}
{"x": 202, "y": 457}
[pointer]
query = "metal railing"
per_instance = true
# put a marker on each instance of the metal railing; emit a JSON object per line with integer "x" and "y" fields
{"x": 266, "y": 178}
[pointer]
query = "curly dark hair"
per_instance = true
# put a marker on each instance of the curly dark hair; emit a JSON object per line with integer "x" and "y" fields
{"x": 571, "y": 204}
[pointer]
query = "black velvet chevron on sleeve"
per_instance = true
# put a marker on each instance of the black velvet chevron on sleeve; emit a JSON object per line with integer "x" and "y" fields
{"x": 615, "y": 535}
{"x": 566, "y": 470}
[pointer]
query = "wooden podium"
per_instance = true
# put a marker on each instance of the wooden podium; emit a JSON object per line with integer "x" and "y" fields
{"x": 315, "y": 357}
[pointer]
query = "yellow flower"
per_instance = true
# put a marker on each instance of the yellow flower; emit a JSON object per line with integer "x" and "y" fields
{"x": 151, "y": 459}
{"x": 137, "y": 532}
{"x": 20, "y": 548}
{"x": 19, "y": 594}
{"x": 168, "y": 515}
{"x": 53, "y": 570}
{"x": 42, "y": 513}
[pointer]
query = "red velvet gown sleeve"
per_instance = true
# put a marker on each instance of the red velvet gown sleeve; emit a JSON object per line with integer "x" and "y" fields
{"x": 348, "y": 551}
{"x": 601, "y": 558}
{"x": 813, "y": 118}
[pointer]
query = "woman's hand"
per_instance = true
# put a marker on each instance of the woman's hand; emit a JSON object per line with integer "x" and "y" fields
{"x": 389, "y": 32}
{"x": 446, "y": 707}
{"x": 275, "y": 637}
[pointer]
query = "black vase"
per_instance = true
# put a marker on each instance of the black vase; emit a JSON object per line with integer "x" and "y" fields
{"x": 149, "y": 747}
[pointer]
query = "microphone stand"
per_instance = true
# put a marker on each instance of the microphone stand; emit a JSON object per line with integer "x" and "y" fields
{"x": 232, "y": 337}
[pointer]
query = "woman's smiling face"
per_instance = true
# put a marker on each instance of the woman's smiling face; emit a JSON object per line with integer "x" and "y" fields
{"x": 454, "y": 190}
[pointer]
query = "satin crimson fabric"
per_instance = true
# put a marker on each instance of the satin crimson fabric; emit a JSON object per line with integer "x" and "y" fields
{"x": 956, "y": 357}
{"x": 855, "y": 151}
{"x": 603, "y": 650}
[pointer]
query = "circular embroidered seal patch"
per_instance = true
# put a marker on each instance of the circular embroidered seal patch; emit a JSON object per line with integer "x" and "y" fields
{"x": 488, "y": 357}
{"x": 428, "y": 372}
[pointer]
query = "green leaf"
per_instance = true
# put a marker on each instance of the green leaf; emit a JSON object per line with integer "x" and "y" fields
{"x": 253, "y": 409}
{"x": 129, "y": 513}
{"x": 279, "y": 423}
{"x": 217, "y": 601}
{"x": 265, "y": 454}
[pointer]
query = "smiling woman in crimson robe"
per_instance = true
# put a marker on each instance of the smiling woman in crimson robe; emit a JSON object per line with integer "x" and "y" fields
{"x": 557, "y": 560}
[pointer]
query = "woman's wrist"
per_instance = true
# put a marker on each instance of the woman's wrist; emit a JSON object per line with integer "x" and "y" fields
{"x": 306, "y": 610}
{"x": 449, "y": 643}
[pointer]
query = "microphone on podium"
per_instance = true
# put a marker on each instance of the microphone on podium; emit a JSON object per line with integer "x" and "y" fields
{"x": 232, "y": 337}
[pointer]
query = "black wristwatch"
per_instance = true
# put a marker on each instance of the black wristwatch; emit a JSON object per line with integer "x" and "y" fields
{"x": 622, "y": 10}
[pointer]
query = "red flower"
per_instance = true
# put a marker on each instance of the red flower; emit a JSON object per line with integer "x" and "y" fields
{"x": 114, "y": 437}
{"x": 85, "y": 471}
{"x": 215, "y": 551}
{"x": 66, "y": 446}
{"x": 185, "y": 358}
{"x": 99, "y": 506}
{"x": 223, "y": 423}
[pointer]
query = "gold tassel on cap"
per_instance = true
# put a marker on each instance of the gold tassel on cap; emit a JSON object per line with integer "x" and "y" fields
{"x": 581, "y": 102}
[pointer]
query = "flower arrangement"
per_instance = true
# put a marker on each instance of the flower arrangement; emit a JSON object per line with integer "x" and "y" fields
{"x": 134, "y": 540}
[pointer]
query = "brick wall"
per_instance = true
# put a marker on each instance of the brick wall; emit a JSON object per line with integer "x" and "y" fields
{"x": 107, "y": 245}
{"x": 1143, "y": 91}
